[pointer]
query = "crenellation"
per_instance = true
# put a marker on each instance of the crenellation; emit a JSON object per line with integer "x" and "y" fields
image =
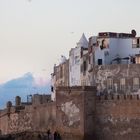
{"x": 79, "y": 115}
{"x": 117, "y": 97}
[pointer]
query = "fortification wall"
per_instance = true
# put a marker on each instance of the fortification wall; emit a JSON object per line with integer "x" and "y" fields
{"x": 44, "y": 117}
{"x": 108, "y": 78}
{"x": 3, "y": 121}
{"x": 78, "y": 114}
{"x": 74, "y": 112}
{"x": 117, "y": 117}
{"x": 31, "y": 118}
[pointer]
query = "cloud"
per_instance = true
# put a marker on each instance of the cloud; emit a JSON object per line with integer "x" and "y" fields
{"x": 40, "y": 81}
{"x": 21, "y": 82}
{"x": 23, "y": 86}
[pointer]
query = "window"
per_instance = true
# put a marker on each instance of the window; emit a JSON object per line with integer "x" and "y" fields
{"x": 122, "y": 84}
{"x": 99, "y": 61}
{"x": 135, "y": 83}
{"x": 61, "y": 71}
{"x": 77, "y": 59}
{"x": 85, "y": 65}
{"x": 52, "y": 89}
{"x": 110, "y": 84}
{"x": 136, "y": 43}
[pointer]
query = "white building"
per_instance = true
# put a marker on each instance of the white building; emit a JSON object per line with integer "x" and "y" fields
{"x": 105, "y": 49}
{"x": 114, "y": 48}
{"x": 75, "y": 59}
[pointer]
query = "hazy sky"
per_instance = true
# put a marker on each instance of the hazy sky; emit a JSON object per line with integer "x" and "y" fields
{"x": 34, "y": 33}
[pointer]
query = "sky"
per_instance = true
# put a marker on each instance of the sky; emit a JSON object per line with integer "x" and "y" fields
{"x": 35, "y": 33}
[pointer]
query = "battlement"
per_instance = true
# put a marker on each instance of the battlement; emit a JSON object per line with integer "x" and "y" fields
{"x": 118, "y": 97}
{"x": 75, "y": 88}
{"x": 76, "y": 114}
{"x": 40, "y": 99}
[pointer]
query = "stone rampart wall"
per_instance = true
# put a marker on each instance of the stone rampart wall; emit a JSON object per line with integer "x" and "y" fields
{"x": 31, "y": 118}
{"x": 117, "y": 117}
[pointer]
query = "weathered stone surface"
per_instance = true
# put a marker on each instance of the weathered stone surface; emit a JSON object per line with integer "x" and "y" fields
{"x": 118, "y": 118}
{"x": 35, "y": 118}
{"x": 77, "y": 114}
{"x": 101, "y": 74}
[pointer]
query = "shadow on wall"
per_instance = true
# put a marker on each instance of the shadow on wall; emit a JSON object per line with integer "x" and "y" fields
{"x": 33, "y": 136}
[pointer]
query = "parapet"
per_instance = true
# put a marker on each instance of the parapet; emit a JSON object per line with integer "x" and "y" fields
{"x": 118, "y": 97}
{"x": 40, "y": 99}
{"x": 18, "y": 101}
{"x": 9, "y": 104}
{"x": 76, "y": 88}
{"x": 74, "y": 91}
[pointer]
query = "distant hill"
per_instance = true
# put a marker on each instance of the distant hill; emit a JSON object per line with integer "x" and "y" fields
{"x": 21, "y": 86}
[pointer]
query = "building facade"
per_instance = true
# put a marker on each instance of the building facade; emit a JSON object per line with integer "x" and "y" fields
{"x": 108, "y": 51}
{"x": 60, "y": 77}
{"x": 75, "y": 61}
{"x": 114, "y": 48}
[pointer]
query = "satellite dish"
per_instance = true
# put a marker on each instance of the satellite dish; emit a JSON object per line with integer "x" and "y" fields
{"x": 133, "y": 32}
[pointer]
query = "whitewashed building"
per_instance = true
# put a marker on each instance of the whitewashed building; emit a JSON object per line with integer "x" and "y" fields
{"x": 114, "y": 48}
{"x": 104, "y": 50}
{"x": 75, "y": 61}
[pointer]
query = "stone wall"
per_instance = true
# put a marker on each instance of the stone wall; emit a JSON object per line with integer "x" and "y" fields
{"x": 75, "y": 112}
{"x": 117, "y": 117}
{"x": 3, "y": 121}
{"x": 44, "y": 117}
{"x": 78, "y": 114}
{"x": 83, "y": 116}
{"x": 89, "y": 113}
{"x": 107, "y": 78}
{"x": 61, "y": 73}
{"x": 38, "y": 99}
{"x": 30, "y": 118}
